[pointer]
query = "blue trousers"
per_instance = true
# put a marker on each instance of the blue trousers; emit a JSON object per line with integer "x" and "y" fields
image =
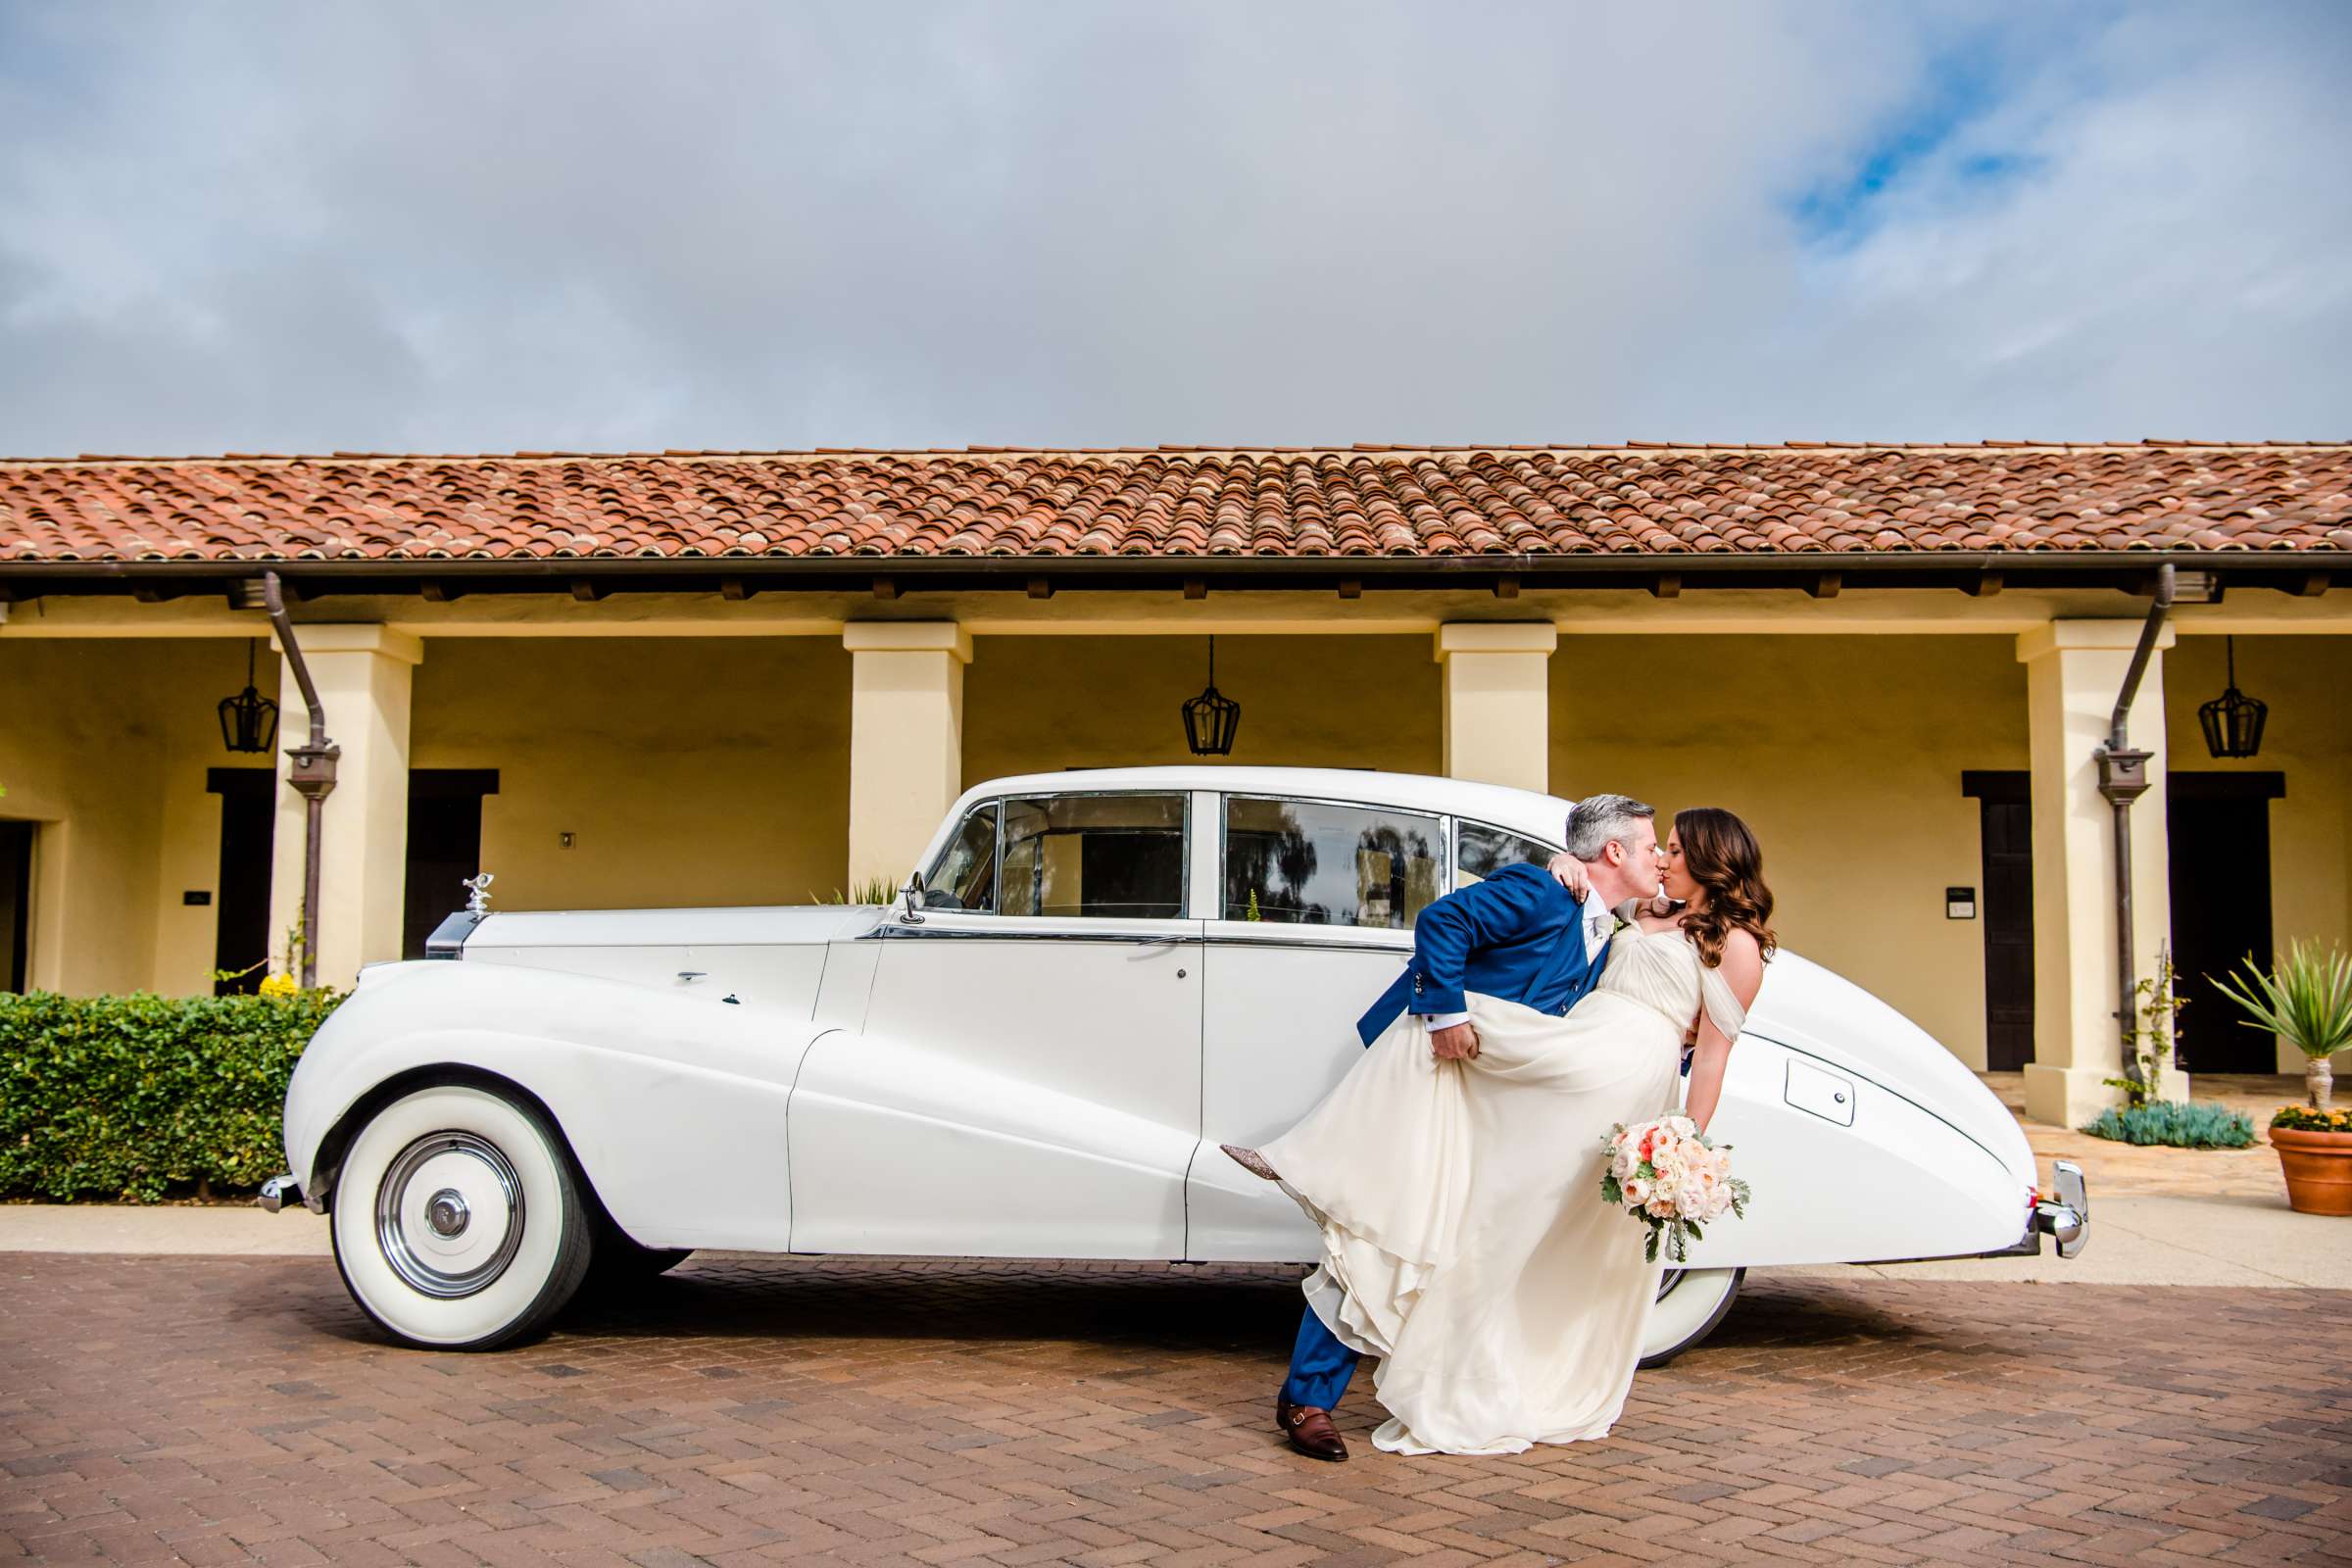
{"x": 1320, "y": 1365}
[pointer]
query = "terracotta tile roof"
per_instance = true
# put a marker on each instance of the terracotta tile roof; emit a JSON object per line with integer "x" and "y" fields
{"x": 1642, "y": 499}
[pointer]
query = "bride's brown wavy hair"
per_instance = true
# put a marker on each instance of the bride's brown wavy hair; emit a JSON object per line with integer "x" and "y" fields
{"x": 1723, "y": 857}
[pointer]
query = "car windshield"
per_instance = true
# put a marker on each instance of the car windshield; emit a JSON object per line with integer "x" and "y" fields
{"x": 966, "y": 875}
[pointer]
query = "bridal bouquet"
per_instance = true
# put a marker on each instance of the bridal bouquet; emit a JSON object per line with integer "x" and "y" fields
{"x": 1669, "y": 1177}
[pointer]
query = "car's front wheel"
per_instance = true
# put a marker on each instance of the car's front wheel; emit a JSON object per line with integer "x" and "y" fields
{"x": 458, "y": 1223}
{"x": 1690, "y": 1303}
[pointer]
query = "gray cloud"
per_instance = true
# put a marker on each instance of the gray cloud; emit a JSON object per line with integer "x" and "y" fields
{"x": 612, "y": 226}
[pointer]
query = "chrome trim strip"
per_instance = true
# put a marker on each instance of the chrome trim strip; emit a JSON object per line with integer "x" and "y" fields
{"x": 1128, "y": 939}
{"x": 1398, "y": 950}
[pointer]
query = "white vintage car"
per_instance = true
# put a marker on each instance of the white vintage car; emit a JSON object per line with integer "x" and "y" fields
{"x": 1094, "y": 980}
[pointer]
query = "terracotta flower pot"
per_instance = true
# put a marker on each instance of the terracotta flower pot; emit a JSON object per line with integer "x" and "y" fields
{"x": 2319, "y": 1170}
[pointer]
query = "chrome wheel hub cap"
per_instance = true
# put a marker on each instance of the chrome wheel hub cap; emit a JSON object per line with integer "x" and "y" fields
{"x": 449, "y": 1214}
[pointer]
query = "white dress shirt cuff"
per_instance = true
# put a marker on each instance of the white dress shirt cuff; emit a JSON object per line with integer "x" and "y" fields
{"x": 1444, "y": 1020}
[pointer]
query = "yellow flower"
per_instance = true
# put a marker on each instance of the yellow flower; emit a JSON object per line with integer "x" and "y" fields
{"x": 281, "y": 985}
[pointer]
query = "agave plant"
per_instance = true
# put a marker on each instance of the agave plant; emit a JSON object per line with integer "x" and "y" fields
{"x": 868, "y": 890}
{"x": 2306, "y": 1000}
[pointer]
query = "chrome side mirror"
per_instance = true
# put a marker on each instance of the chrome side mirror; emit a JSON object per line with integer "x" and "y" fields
{"x": 914, "y": 893}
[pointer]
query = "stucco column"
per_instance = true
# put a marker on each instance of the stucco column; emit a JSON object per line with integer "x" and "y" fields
{"x": 363, "y": 675}
{"x": 1496, "y": 721}
{"x": 2074, "y": 672}
{"x": 906, "y": 739}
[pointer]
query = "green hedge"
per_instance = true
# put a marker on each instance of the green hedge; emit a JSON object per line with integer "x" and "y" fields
{"x": 134, "y": 1096}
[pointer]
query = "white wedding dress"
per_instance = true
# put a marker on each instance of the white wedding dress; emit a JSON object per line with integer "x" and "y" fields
{"x": 1465, "y": 1242}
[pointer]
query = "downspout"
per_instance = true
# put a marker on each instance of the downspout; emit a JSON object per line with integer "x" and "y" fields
{"x": 2123, "y": 779}
{"x": 313, "y": 775}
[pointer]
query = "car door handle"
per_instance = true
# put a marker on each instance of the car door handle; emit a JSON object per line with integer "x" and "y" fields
{"x": 690, "y": 976}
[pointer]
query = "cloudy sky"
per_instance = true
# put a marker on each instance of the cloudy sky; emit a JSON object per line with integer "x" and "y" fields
{"x": 627, "y": 225}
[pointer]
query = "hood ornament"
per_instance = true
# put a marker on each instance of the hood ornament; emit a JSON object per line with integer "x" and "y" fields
{"x": 477, "y": 891}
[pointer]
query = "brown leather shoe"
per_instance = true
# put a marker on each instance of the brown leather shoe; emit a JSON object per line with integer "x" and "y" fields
{"x": 1309, "y": 1429}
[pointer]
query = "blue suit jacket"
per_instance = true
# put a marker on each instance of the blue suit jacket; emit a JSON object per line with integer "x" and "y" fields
{"x": 1518, "y": 935}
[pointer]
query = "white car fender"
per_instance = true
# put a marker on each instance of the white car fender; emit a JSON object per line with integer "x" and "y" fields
{"x": 1846, "y": 1171}
{"x": 674, "y": 1105}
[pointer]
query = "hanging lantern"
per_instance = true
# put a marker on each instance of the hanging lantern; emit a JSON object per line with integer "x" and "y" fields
{"x": 248, "y": 720}
{"x": 1211, "y": 719}
{"x": 2232, "y": 722}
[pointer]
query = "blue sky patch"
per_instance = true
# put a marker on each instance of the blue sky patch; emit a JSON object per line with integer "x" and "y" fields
{"x": 1959, "y": 90}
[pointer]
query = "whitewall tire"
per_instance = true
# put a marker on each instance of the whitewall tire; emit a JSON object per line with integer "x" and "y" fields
{"x": 457, "y": 1222}
{"x": 1690, "y": 1303}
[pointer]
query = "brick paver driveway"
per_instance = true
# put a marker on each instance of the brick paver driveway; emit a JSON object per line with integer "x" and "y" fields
{"x": 758, "y": 1410}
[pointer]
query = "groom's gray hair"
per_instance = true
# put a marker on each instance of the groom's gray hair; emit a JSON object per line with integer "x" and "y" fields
{"x": 1597, "y": 820}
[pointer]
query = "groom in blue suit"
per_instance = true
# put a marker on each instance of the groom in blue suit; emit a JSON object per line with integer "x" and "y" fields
{"x": 1523, "y": 937}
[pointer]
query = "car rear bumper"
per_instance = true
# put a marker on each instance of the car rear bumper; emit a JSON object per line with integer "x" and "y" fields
{"x": 2065, "y": 1214}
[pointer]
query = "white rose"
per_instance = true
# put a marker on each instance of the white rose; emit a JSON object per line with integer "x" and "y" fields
{"x": 1637, "y": 1191}
{"x": 1659, "y": 1206}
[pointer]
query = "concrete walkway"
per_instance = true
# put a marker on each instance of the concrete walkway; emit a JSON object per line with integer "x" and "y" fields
{"x": 2136, "y": 1239}
{"x": 161, "y": 1230}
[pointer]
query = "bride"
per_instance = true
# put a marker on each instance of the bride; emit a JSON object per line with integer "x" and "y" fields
{"x": 1465, "y": 1241}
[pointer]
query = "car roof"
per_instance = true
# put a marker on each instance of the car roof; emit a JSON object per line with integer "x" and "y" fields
{"x": 1542, "y": 816}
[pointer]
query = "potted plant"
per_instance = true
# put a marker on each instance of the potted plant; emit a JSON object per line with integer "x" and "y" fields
{"x": 2306, "y": 1000}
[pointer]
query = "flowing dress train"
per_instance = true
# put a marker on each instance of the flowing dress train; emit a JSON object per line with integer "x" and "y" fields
{"x": 1465, "y": 1244}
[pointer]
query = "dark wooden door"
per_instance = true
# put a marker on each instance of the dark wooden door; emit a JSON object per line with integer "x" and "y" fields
{"x": 16, "y": 902}
{"x": 2005, "y": 905}
{"x": 241, "y": 895}
{"x": 445, "y": 846}
{"x": 2220, "y": 828}
{"x": 2007, "y": 911}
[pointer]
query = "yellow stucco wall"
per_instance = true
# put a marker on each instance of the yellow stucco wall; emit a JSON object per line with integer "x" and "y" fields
{"x": 1844, "y": 753}
{"x": 2308, "y": 737}
{"x": 689, "y": 771}
{"x": 1043, "y": 703}
{"x": 103, "y": 745}
{"x": 714, "y": 770}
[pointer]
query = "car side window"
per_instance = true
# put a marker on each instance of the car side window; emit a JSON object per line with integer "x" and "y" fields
{"x": 1306, "y": 862}
{"x": 1106, "y": 857}
{"x": 964, "y": 877}
{"x": 1485, "y": 850}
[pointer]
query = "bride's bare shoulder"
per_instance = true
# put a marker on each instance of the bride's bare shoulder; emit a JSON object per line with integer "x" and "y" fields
{"x": 1740, "y": 943}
